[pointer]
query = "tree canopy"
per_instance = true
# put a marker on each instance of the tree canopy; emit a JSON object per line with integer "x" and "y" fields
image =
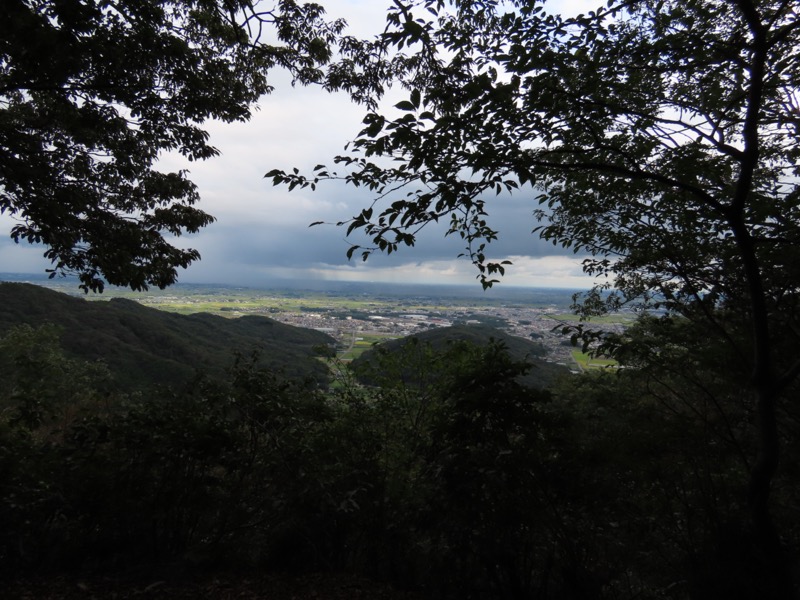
{"x": 91, "y": 93}
{"x": 659, "y": 139}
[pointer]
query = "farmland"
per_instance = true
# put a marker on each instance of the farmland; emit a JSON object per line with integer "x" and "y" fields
{"x": 360, "y": 315}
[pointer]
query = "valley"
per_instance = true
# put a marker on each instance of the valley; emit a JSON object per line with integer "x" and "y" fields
{"x": 358, "y": 315}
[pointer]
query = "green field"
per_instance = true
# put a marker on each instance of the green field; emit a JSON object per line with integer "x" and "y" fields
{"x": 232, "y": 303}
{"x": 587, "y": 362}
{"x": 362, "y": 343}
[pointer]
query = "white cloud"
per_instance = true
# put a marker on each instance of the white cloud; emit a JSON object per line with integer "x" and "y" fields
{"x": 262, "y": 231}
{"x": 545, "y": 271}
{"x": 22, "y": 257}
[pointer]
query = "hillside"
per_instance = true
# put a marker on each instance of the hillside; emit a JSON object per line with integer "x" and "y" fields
{"x": 541, "y": 375}
{"x": 143, "y": 345}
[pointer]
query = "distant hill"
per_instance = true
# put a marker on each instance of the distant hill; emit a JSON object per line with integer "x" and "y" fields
{"x": 541, "y": 375}
{"x": 144, "y": 345}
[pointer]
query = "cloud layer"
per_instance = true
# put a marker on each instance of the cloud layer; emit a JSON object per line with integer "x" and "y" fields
{"x": 262, "y": 231}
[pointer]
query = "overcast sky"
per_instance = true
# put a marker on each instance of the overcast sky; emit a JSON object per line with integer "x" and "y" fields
{"x": 262, "y": 234}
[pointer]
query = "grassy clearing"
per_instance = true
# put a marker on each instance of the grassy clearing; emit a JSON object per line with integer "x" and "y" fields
{"x": 587, "y": 362}
{"x": 362, "y": 343}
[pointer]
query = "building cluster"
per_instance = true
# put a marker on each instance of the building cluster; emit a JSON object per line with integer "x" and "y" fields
{"x": 538, "y": 324}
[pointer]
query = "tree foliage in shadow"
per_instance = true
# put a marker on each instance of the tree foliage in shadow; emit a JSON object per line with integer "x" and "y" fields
{"x": 445, "y": 474}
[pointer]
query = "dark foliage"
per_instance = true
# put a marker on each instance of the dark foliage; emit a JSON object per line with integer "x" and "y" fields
{"x": 540, "y": 375}
{"x": 91, "y": 93}
{"x": 658, "y": 139}
{"x": 100, "y": 481}
{"x": 458, "y": 482}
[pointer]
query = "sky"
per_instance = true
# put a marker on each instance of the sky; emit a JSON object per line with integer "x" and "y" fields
{"x": 262, "y": 232}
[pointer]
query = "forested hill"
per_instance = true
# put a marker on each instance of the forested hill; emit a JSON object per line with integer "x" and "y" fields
{"x": 541, "y": 374}
{"x": 143, "y": 345}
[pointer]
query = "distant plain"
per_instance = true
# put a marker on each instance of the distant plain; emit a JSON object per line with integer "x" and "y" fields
{"x": 357, "y": 313}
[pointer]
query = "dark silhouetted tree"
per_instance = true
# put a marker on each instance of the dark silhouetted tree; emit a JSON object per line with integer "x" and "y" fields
{"x": 91, "y": 93}
{"x": 660, "y": 139}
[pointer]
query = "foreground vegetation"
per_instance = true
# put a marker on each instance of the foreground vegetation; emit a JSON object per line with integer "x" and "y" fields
{"x": 445, "y": 475}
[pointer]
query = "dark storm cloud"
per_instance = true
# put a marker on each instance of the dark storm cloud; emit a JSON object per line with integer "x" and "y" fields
{"x": 262, "y": 230}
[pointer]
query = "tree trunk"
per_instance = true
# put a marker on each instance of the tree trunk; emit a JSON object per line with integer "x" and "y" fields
{"x": 768, "y": 553}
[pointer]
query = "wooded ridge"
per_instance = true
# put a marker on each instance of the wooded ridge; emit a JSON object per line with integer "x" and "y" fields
{"x": 144, "y": 346}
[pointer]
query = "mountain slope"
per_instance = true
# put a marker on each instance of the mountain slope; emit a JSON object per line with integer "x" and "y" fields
{"x": 541, "y": 375}
{"x": 144, "y": 345}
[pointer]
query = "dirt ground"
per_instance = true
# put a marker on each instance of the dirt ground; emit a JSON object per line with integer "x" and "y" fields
{"x": 210, "y": 587}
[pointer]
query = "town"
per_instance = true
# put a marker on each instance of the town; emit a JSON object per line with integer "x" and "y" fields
{"x": 360, "y": 315}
